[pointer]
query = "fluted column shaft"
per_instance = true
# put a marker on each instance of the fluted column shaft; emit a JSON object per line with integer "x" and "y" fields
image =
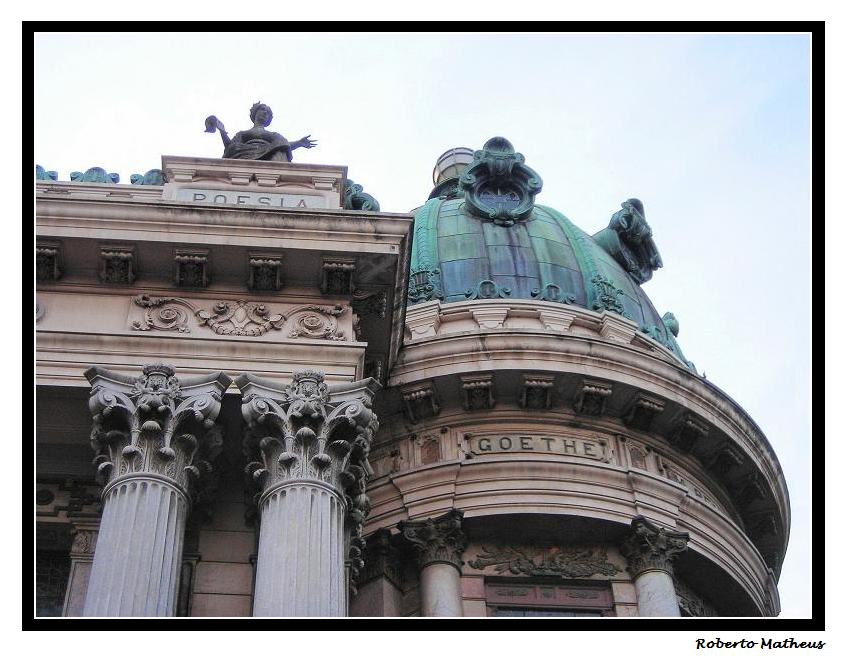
{"x": 301, "y": 556}
{"x": 440, "y": 543}
{"x": 137, "y": 562}
{"x": 152, "y": 436}
{"x": 650, "y": 551}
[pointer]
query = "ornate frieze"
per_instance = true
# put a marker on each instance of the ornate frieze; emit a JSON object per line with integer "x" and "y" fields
{"x": 477, "y": 392}
{"x": 48, "y": 261}
{"x": 154, "y": 424}
{"x": 642, "y": 411}
{"x": 191, "y": 267}
{"x": 592, "y": 397}
{"x": 118, "y": 264}
{"x": 239, "y": 317}
{"x": 649, "y": 547}
{"x": 437, "y": 540}
{"x": 337, "y": 276}
{"x": 536, "y": 392}
{"x": 266, "y": 273}
{"x": 566, "y": 562}
{"x": 420, "y": 401}
{"x": 300, "y": 433}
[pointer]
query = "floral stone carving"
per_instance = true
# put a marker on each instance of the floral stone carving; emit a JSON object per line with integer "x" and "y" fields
{"x": 302, "y": 432}
{"x": 650, "y": 547}
{"x": 437, "y": 540}
{"x": 239, "y": 317}
{"x": 566, "y": 562}
{"x": 155, "y": 424}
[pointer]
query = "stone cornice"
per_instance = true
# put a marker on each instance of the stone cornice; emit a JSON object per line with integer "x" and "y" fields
{"x": 437, "y": 540}
{"x": 155, "y": 425}
{"x": 169, "y": 221}
{"x": 649, "y": 547}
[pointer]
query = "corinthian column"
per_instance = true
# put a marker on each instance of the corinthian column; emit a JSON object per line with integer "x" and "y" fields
{"x": 309, "y": 445}
{"x": 152, "y": 435}
{"x": 650, "y": 551}
{"x": 440, "y": 543}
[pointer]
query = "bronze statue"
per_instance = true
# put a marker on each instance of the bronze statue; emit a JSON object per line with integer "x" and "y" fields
{"x": 257, "y": 143}
{"x": 628, "y": 239}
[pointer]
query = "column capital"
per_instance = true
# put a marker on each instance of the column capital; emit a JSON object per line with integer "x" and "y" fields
{"x": 309, "y": 432}
{"x": 649, "y": 547}
{"x": 155, "y": 424}
{"x": 438, "y": 539}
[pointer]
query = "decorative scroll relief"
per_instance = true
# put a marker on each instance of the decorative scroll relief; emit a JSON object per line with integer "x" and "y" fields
{"x": 592, "y": 448}
{"x": 566, "y": 562}
{"x": 237, "y": 317}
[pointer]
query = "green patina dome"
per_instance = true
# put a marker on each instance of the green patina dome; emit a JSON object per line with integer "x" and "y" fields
{"x": 482, "y": 236}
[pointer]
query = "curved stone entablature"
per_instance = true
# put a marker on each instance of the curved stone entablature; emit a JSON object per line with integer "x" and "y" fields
{"x": 512, "y": 461}
{"x": 596, "y": 366}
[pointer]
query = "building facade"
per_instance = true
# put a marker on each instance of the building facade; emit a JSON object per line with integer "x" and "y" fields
{"x": 259, "y": 395}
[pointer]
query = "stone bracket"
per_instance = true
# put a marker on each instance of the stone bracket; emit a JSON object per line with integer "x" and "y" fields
{"x": 536, "y": 391}
{"x": 48, "y": 261}
{"x": 477, "y": 392}
{"x": 591, "y": 397}
{"x": 266, "y": 273}
{"x": 118, "y": 264}
{"x": 191, "y": 267}
{"x": 642, "y": 411}
{"x": 337, "y": 276}
{"x": 420, "y": 401}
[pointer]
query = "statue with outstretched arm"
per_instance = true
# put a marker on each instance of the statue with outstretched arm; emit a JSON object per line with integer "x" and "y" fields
{"x": 257, "y": 142}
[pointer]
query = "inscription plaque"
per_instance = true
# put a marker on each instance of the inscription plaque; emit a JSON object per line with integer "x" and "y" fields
{"x": 570, "y": 446}
{"x": 254, "y": 198}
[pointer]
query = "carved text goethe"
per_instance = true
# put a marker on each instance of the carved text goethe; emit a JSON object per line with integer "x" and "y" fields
{"x": 583, "y": 448}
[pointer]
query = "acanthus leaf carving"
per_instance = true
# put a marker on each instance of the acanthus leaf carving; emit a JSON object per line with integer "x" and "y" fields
{"x": 239, "y": 317}
{"x": 153, "y": 424}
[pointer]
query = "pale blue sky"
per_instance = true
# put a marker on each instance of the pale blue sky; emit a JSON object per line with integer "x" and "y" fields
{"x": 711, "y": 132}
